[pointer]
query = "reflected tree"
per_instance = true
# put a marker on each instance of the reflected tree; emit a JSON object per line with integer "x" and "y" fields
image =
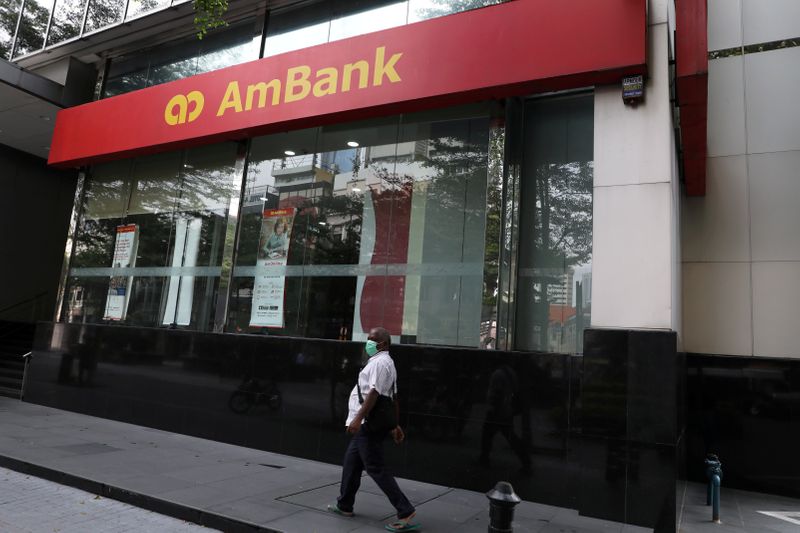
{"x": 559, "y": 232}
{"x": 9, "y": 14}
{"x": 32, "y": 28}
{"x": 448, "y": 7}
{"x": 67, "y": 20}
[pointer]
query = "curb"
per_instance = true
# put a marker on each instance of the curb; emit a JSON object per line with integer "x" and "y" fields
{"x": 143, "y": 501}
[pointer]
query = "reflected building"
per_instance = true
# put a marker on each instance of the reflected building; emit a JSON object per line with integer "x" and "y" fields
{"x": 224, "y": 218}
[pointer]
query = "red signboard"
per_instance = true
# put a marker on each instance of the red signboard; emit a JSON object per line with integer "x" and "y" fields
{"x": 519, "y": 47}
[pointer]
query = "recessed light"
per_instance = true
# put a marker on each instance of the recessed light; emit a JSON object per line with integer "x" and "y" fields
{"x": 323, "y": 223}
{"x": 352, "y": 144}
{"x": 263, "y": 198}
{"x": 288, "y": 152}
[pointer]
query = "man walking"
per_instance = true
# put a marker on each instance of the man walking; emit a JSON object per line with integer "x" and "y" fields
{"x": 365, "y": 451}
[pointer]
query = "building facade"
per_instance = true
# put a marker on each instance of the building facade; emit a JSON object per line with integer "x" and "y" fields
{"x": 466, "y": 174}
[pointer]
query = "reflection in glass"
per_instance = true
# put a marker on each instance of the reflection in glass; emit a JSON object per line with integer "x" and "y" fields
{"x": 67, "y": 20}
{"x": 490, "y": 327}
{"x": 126, "y": 74}
{"x": 172, "y": 63}
{"x": 9, "y": 14}
{"x": 238, "y": 44}
{"x": 428, "y": 9}
{"x": 139, "y": 7}
{"x": 376, "y": 19}
{"x": 32, "y": 27}
{"x": 183, "y": 59}
{"x": 296, "y": 28}
{"x": 388, "y": 228}
{"x": 178, "y": 203}
{"x": 555, "y": 246}
{"x": 103, "y": 13}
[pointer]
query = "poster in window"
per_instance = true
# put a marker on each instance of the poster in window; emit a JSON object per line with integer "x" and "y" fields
{"x": 119, "y": 287}
{"x": 273, "y": 250}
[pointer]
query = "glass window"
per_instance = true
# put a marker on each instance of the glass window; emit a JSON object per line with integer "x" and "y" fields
{"x": 32, "y": 28}
{"x": 140, "y": 7}
{"x": 9, "y": 14}
{"x": 375, "y": 19}
{"x": 298, "y": 28}
{"x": 103, "y": 13}
{"x": 173, "y": 208}
{"x": 173, "y": 62}
{"x": 67, "y": 20}
{"x": 428, "y": 9}
{"x": 126, "y": 74}
{"x": 237, "y": 44}
{"x": 385, "y": 225}
{"x": 322, "y": 22}
{"x": 555, "y": 244}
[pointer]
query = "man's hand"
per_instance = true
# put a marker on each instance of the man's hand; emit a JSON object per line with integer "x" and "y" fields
{"x": 398, "y": 435}
{"x": 354, "y": 426}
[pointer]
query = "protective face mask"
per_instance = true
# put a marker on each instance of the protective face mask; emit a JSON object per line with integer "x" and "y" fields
{"x": 371, "y": 348}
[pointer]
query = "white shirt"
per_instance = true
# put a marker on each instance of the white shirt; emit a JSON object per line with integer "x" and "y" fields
{"x": 378, "y": 374}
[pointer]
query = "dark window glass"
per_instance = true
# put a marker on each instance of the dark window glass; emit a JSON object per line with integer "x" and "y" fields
{"x": 9, "y": 14}
{"x": 33, "y": 26}
{"x": 103, "y": 13}
{"x": 555, "y": 245}
{"x": 67, "y": 20}
{"x": 126, "y": 74}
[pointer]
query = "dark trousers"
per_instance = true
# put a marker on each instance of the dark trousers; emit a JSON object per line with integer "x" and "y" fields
{"x": 365, "y": 451}
{"x": 504, "y": 426}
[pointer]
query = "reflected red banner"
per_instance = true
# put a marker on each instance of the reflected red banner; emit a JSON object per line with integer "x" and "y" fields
{"x": 520, "y": 47}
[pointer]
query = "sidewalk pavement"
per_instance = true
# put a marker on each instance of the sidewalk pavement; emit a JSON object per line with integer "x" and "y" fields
{"x": 69, "y": 510}
{"x": 232, "y": 488}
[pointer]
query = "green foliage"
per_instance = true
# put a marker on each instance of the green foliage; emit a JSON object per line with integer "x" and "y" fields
{"x": 208, "y": 15}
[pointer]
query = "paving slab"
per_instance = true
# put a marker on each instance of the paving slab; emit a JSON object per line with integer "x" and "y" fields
{"x": 234, "y": 488}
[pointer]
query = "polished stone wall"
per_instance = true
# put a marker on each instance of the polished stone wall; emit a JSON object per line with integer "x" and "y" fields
{"x": 747, "y": 411}
{"x": 591, "y": 433}
{"x": 631, "y": 426}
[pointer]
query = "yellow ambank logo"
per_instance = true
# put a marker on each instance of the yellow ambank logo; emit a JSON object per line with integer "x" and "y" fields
{"x": 297, "y": 85}
{"x": 178, "y": 106}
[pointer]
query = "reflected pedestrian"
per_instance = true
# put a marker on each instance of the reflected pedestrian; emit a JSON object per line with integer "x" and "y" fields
{"x": 503, "y": 400}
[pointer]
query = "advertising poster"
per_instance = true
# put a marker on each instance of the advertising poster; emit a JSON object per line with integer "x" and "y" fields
{"x": 273, "y": 249}
{"x": 119, "y": 287}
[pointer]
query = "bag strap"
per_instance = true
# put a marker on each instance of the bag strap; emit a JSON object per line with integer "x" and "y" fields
{"x": 358, "y": 387}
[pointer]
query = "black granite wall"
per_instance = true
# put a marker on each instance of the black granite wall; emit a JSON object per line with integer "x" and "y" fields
{"x": 747, "y": 411}
{"x": 631, "y": 427}
{"x": 596, "y": 439}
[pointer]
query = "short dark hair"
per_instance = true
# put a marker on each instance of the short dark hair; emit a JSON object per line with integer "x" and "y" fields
{"x": 381, "y": 335}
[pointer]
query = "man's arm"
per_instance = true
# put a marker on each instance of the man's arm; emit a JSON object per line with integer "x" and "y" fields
{"x": 366, "y": 407}
{"x": 397, "y": 432}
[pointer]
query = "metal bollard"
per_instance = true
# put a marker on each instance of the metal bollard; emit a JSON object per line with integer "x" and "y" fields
{"x": 502, "y": 500}
{"x": 714, "y": 475}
